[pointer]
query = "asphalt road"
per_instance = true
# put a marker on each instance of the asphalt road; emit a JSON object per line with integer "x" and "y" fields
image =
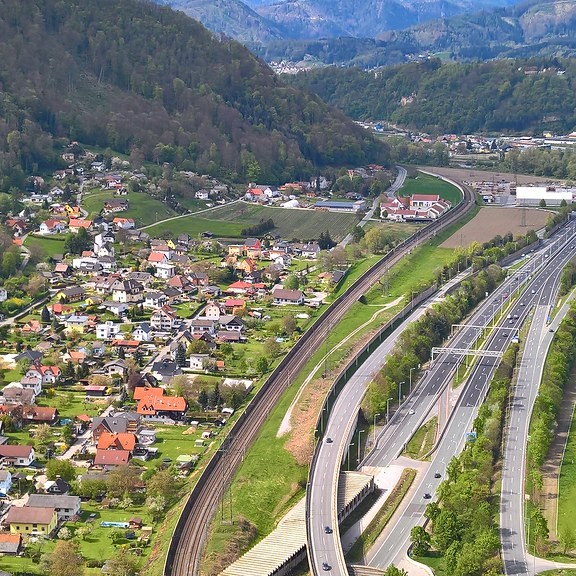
{"x": 325, "y": 542}
{"x": 327, "y": 552}
{"x": 512, "y": 527}
{"x": 394, "y": 544}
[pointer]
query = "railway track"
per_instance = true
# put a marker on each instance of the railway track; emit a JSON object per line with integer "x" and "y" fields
{"x": 186, "y": 545}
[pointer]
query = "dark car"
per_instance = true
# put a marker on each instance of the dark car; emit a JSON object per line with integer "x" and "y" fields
{"x": 328, "y": 440}
{"x": 326, "y": 566}
{"x": 327, "y": 530}
{"x": 427, "y": 495}
{"x": 437, "y": 475}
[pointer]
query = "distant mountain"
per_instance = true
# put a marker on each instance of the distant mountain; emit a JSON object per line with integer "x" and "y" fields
{"x": 144, "y": 80}
{"x": 535, "y": 28}
{"x": 259, "y": 22}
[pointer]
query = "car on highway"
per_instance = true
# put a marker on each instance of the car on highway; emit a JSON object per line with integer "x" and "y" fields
{"x": 504, "y": 334}
{"x": 427, "y": 495}
{"x": 326, "y": 566}
{"x": 411, "y": 412}
{"x": 329, "y": 440}
{"x": 327, "y": 530}
{"x": 550, "y": 329}
{"x": 437, "y": 475}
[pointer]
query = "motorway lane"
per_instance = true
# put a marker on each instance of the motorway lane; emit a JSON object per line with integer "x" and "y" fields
{"x": 323, "y": 490}
{"x": 393, "y": 547}
{"x": 512, "y": 527}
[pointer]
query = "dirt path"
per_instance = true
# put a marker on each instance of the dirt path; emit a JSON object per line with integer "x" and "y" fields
{"x": 553, "y": 463}
{"x": 286, "y": 425}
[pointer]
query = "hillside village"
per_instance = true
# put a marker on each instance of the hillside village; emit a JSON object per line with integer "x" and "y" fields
{"x": 132, "y": 357}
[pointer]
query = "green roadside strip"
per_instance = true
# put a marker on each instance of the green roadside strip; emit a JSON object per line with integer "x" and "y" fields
{"x": 374, "y": 529}
{"x": 422, "y": 442}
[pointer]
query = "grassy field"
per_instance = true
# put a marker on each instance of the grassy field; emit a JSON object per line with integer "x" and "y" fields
{"x": 143, "y": 208}
{"x": 421, "y": 443}
{"x": 424, "y": 184}
{"x": 434, "y": 561}
{"x": 49, "y": 245}
{"x": 229, "y": 220}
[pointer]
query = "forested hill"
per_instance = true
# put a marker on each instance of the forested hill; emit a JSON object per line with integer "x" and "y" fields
{"x": 131, "y": 75}
{"x": 506, "y": 96}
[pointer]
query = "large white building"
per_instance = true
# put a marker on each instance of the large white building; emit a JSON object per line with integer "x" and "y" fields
{"x": 552, "y": 195}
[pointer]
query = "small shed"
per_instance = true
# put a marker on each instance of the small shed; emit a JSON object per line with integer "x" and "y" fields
{"x": 199, "y": 442}
{"x": 135, "y": 523}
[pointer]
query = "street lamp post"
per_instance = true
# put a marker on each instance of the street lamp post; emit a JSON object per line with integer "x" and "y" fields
{"x": 375, "y": 416}
{"x": 388, "y": 410}
{"x": 413, "y": 368}
{"x": 359, "y": 442}
{"x": 349, "y": 446}
{"x": 400, "y": 393}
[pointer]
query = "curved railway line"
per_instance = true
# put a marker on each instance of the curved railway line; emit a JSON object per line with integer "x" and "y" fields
{"x": 189, "y": 536}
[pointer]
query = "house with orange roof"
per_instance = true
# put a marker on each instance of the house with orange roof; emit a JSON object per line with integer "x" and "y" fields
{"x": 32, "y": 327}
{"x": 144, "y": 391}
{"x": 124, "y": 223}
{"x": 52, "y": 226}
{"x": 153, "y": 407}
{"x": 157, "y": 257}
{"x": 111, "y": 458}
{"x": 117, "y": 441}
{"x": 76, "y": 223}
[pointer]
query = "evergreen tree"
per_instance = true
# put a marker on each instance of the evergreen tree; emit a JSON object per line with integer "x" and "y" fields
{"x": 203, "y": 399}
{"x": 121, "y": 353}
{"x": 181, "y": 355}
{"x": 45, "y": 315}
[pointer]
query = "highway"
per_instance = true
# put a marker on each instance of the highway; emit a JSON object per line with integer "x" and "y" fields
{"x": 393, "y": 546}
{"x": 512, "y": 529}
{"x": 324, "y": 543}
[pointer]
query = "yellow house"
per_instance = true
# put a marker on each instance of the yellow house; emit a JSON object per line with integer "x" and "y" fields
{"x": 29, "y": 520}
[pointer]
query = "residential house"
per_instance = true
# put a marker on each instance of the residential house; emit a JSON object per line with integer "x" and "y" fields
{"x": 234, "y": 305}
{"x": 165, "y": 370}
{"x": 107, "y": 330}
{"x": 423, "y": 200}
{"x": 52, "y": 226}
{"x": 116, "y": 367}
{"x": 76, "y": 323}
{"x": 47, "y": 374}
{"x": 71, "y": 294}
{"x": 31, "y": 520}
{"x": 39, "y": 415}
{"x": 76, "y": 223}
{"x": 63, "y": 270}
{"x": 124, "y": 223}
{"x": 253, "y": 248}
{"x": 154, "y": 299}
{"x": 144, "y": 278}
{"x": 16, "y": 393}
{"x": 310, "y": 250}
{"x": 16, "y": 454}
{"x": 32, "y": 327}
{"x": 165, "y": 270}
{"x": 212, "y": 311}
{"x": 111, "y": 458}
{"x": 117, "y": 441}
{"x": 115, "y": 205}
{"x": 66, "y": 506}
{"x": 158, "y": 257}
{"x": 231, "y": 336}
{"x": 5, "y": 482}
{"x": 200, "y": 326}
{"x": 9, "y": 545}
{"x": 198, "y": 278}
{"x": 59, "y": 486}
{"x": 103, "y": 284}
{"x": 162, "y": 407}
{"x": 127, "y": 291}
{"x": 282, "y": 296}
{"x": 142, "y": 332}
{"x": 202, "y": 194}
{"x": 17, "y": 226}
{"x": 117, "y": 424}
{"x": 95, "y": 391}
{"x": 164, "y": 319}
{"x": 231, "y": 323}
{"x": 247, "y": 266}
{"x": 117, "y": 308}
{"x": 32, "y": 355}
{"x": 198, "y": 361}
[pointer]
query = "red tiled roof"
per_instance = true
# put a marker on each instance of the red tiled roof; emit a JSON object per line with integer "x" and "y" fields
{"x": 149, "y": 405}
{"x": 30, "y": 515}
{"x": 119, "y": 440}
{"x": 15, "y": 450}
{"x": 111, "y": 457}
{"x": 145, "y": 391}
